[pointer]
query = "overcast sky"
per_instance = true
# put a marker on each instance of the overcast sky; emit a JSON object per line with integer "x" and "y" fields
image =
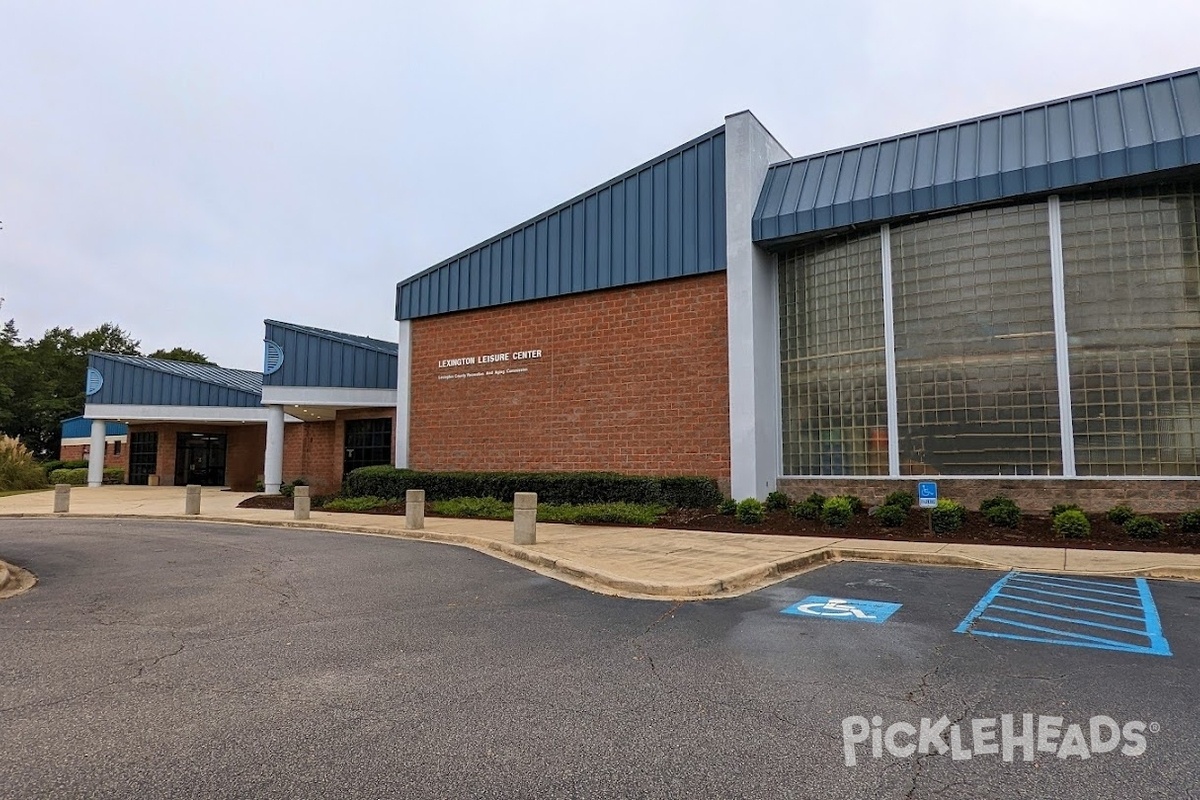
{"x": 187, "y": 169}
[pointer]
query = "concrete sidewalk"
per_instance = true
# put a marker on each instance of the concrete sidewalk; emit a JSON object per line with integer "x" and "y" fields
{"x": 630, "y": 562}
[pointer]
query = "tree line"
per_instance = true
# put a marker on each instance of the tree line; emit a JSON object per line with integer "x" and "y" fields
{"x": 42, "y": 380}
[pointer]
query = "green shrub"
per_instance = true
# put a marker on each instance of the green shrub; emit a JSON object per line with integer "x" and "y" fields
{"x": 750, "y": 512}
{"x": 113, "y": 475}
{"x": 1001, "y": 510}
{"x": 599, "y": 513}
{"x": 259, "y": 486}
{"x": 947, "y": 517}
{"x": 551, "y": 487}
{"x": 602, "y": 513}
{"x": 1072, "y": 523}
{"x": 472, "y": 507}
{"x": 891, "y": 515}
{"x": 686, "y": 491}
{"x": 289, "y": 489}
{"x": 816, "y": 498}
{"x": 778, "y": 501}
{"x": 837, "y": 511}
{"x": 808, "y": 509}
{"x": 903, "y": 500}
{"x": 1120, "y": 514}
{"x": 1189, "y": 521}
{"x": 1059, "y": 508}
{"x": 728, "y": 507}
{"x": 75, "y": 477}
{"x": 356, "y": 503}
{"x": 18, "y": 470}
{"x": 1143, "y": 527}
{"x": 856, "y": 503}
{"x": 75, "y": 463}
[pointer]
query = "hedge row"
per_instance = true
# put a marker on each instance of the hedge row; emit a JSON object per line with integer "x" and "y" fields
{"x": 551, "y": 487}
{"x": 79, "y": 477}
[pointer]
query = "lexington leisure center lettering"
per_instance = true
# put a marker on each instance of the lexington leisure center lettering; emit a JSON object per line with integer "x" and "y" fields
{"x": 490, "y": 360}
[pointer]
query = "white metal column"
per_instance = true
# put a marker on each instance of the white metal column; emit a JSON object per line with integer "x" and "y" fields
{"x": 1058, "y": 295}
{"x": 96, "y": 454}
{"x": 273, "y": 459}
{"x": 889, "y": 345}
{"x": 403, "y": 393}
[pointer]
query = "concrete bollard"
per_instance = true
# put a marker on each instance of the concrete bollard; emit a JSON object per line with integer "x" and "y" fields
{"x": 301, "y": 504}
{"x": 525, "y": 518}
{"x": 62, "y": 498}
{"x": 414, "y": 509}
{"x": 191, "y": 500}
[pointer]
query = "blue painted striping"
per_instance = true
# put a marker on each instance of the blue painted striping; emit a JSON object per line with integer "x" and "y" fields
{"x": 1053, "y": 584}
{"x": 1002, "y": 614}
{"x": 1158, "y": 642}
{"x": 1070, "y": 608}
{"x": 1077, "y": 581}
{"x": 1041, "y": 640}
{"x": 1041, "y": 629}
{"x": 1058, "y": 618}
{"x": 982, "y": 605}
{"x": 1087, "y": 599}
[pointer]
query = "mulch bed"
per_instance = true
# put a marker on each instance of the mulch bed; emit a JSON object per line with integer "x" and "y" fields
{"x": 1033, "y": 530}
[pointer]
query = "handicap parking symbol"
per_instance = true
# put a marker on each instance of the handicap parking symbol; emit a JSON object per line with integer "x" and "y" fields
{"x": 838, "y": 608}
{"x": 927, "y": 494}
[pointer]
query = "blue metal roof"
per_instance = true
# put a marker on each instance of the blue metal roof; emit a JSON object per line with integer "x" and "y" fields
{"x": 661, "y": 220}
{"x": 305, "y": 356}
{"x": 133, "y": 380}
{"x": 81, "y": 428}
{"x": 1113, "y": 133}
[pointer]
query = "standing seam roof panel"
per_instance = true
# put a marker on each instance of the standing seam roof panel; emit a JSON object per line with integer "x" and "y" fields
{"x": 314, "y": 357}
{"x": 663, "y": 219}
{"x": 1111, "y": 133}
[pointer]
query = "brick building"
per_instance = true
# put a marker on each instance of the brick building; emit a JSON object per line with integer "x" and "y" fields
{"x": 323, "y": 405}
{"x": 75, "y": 443}
{"x": 1008, "y": 303}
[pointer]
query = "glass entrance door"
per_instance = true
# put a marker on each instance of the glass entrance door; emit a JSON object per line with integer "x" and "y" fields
{"x": 200, "y": 459}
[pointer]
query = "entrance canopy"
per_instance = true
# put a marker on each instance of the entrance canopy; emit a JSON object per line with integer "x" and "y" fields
{"x": 313, "y": 372}
{"x": 136, "y": 389}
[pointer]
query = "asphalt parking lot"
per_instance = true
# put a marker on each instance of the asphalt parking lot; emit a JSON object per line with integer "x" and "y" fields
{"x": 167, "y": 659}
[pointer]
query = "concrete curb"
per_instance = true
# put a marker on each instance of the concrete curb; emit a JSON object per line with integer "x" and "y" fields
{"x": 597, "y": 580}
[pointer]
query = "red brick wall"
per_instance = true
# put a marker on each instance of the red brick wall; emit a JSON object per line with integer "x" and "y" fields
{"x": 245, "y": 446}
{"x": 315, "y": 450}
{"x": 75, "y": 452}
{"x": 634, "y": 379}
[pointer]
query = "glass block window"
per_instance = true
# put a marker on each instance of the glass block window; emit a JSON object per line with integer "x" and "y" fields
{"x": 975, "y": 364}
{"x": 1132, "y": 280}
{"x": 833, "y": 382}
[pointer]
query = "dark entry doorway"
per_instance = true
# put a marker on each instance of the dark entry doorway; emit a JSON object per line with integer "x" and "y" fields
{"x": 143, "y": 456}
{"x": 200, "y": 459}
{"x": 368, "y": 443}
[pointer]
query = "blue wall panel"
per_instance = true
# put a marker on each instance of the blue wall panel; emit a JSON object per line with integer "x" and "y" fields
{"x": 1114, "y": 133}
{"x": 663, "y": 219}
{"x": 132, "y": 380}
{"x": 317, "y": 357}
